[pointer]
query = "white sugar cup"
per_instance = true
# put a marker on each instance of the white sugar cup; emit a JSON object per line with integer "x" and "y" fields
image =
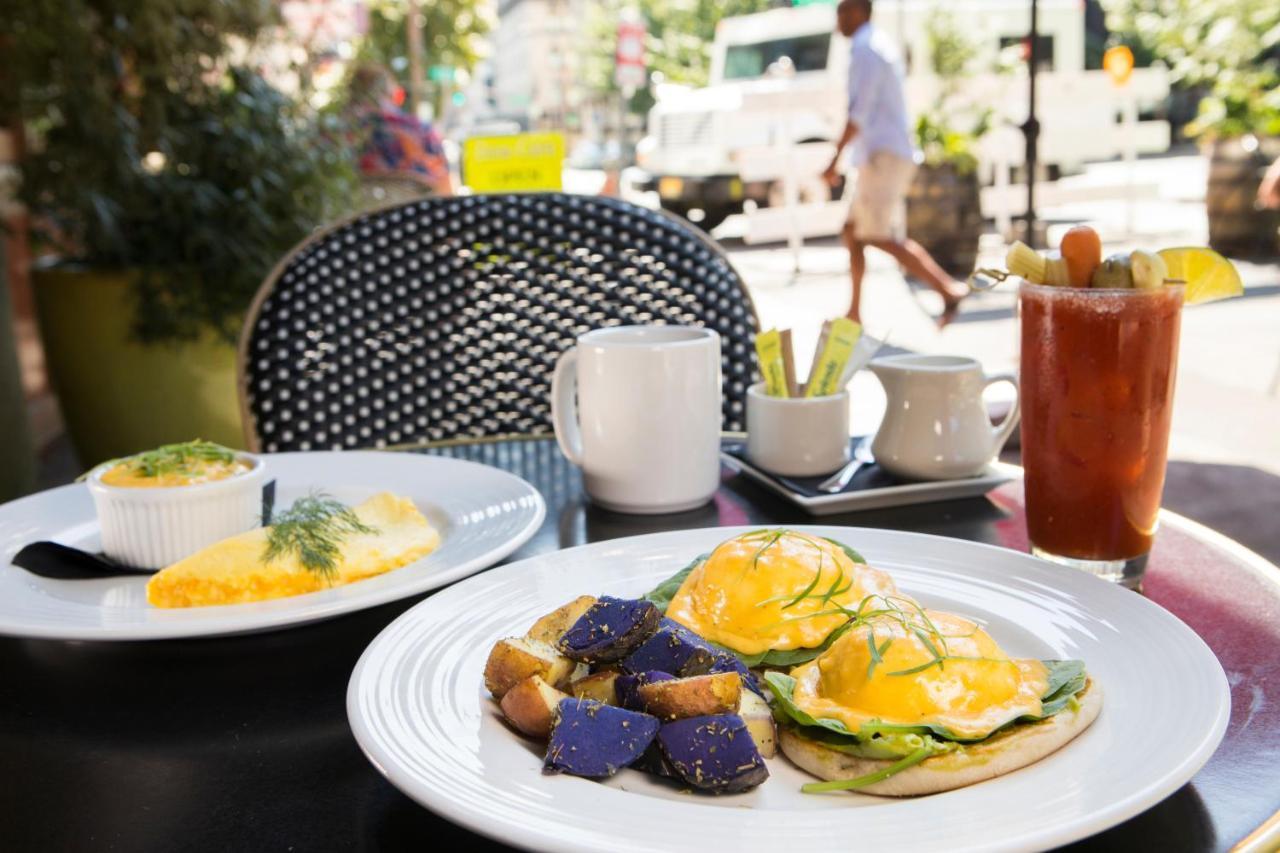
{"x": 797, "y": 436}
{"x": 150, "y": 528}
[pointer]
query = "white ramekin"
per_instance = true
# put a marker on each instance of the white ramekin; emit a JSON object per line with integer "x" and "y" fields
{"x": 797, "y": 436}
{"x": 150, "y": 528}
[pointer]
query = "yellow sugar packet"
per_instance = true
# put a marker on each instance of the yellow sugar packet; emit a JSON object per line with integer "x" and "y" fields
{"x": 769, "y": 349}
{"x": 823, "y": 334}
{"x": 789, "y": 363}
{"x": 828, "y": 368}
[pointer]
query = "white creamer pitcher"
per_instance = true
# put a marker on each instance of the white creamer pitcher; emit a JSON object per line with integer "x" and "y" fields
{"x": 936, "y": 426}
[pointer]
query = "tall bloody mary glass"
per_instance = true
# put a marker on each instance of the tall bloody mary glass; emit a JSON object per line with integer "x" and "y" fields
{"x": 1098, "y": 369}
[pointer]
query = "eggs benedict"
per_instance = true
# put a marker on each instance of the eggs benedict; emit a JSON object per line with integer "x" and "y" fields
{"x": 913, "y": 701}
{"x": 775, "y": 597}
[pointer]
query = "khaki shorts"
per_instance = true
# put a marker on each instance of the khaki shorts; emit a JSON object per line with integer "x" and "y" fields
{"x": 879, "y": 209}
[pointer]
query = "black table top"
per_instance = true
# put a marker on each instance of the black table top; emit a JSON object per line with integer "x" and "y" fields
{"x": 242, "y": 743}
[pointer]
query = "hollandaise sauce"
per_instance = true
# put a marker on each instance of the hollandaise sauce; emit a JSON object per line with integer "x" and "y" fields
{"x": 774, "y": 590}
{"x": 186, "y": 464}
{"x": 920, "y": 667}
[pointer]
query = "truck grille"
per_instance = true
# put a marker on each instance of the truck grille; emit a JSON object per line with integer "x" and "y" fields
{"x": 684, "y": 130}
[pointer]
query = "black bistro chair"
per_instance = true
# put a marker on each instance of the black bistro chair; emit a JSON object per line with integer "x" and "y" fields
{"x": 443, "y": 318}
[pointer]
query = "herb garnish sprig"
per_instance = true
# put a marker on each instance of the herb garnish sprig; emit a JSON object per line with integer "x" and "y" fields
{"x": 913, "y": 619}
{"x": 183, "y": 459}
{"x": 314, "y": 529}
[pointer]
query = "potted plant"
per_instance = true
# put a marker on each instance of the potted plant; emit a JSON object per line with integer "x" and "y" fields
{"x": 1239, "y": 123}
{"x": 944, "y": 211}
{"x": 164, "y": 180}
{"x": 1230, "y": 51}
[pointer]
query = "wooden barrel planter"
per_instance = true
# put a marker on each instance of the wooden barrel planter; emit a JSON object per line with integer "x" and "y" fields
{"x": 944, "y": 214}
{"x": 1237, "y": 227}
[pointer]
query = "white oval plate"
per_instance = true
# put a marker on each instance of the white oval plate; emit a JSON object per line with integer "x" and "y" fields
{"x": 419, "y": 710}
{"x": 483, "y": 514}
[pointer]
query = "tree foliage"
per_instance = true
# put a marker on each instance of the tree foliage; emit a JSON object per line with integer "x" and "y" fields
{"x": 149, "y": 148}
{"x": 1230, "y": 47}
{"x": 952, "y": 55}
{"x": 677, "y": 43}
{"x": 451, "y": 31}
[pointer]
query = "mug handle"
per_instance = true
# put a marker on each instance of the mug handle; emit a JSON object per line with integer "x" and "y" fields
{"x": 1002, "y": 432}
{"x": 564, "y": 406}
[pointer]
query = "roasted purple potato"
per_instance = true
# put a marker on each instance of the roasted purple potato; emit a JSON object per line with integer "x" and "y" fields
{"x": 728, "y": 662}
{"x": 609, "y": 630}
{"x": 714, "y": 754}
{"x": 675, "y": 649}
{"x": 627, "y": 685}
{"x": 596, "y": 740}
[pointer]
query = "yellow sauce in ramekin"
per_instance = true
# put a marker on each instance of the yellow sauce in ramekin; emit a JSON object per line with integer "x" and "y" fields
{"x": 126, "y": 475}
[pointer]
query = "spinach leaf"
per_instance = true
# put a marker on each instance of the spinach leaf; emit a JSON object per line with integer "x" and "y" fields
{"x": 662, "y": 594}
{"x": 1066, "y": 679}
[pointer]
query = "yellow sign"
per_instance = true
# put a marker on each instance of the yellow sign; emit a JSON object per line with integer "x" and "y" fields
{"x": 1118, "y": 63}
{"x": 524, "y": 162}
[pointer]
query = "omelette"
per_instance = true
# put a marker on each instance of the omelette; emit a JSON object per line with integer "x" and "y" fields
{"x": 383, "y": 533}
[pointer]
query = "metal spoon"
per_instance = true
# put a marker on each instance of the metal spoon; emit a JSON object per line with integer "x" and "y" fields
{"x": 837, "y": 481}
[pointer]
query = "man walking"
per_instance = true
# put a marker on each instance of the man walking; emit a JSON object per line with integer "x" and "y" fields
{"x": 884, "y": 157}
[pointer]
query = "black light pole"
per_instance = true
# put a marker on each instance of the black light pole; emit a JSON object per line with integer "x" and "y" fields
{"x": 1031, "y": 129}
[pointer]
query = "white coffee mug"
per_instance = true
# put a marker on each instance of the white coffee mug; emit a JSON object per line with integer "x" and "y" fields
{"x": 645, "y": 428}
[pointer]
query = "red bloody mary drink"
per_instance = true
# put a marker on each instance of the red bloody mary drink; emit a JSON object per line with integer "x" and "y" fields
{"x": 1097, "y": 379}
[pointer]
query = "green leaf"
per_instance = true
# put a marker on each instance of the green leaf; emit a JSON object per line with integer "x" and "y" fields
{"x": 1066, "y": 679}
{"x": 662, "y": 594}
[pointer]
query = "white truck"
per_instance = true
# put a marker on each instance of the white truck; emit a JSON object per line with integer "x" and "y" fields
{"x": 696, "y": 136}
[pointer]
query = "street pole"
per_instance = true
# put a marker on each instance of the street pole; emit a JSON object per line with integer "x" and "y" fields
{"x": 1032, "y": 127}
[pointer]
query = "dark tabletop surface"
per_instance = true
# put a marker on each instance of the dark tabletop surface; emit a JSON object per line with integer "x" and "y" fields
{"x": 242, "y": 743}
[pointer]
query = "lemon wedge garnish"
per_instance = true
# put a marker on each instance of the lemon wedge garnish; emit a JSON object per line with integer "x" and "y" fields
{"x": 1208, "y": 275}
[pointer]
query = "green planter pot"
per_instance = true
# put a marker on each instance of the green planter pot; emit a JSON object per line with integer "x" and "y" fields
{"x": 119, "y": 396}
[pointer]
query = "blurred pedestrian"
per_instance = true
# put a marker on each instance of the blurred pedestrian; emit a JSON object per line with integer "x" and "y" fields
{"x": 1269, "y": 189}
{"x": 885, "y": 159}
{"x": 389, "y": 140}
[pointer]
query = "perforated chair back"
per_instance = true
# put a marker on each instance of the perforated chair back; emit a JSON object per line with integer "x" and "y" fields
{"x": 443, "y": 318}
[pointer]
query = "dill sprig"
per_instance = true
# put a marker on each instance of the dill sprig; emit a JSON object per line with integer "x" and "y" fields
{"x": 314, "y": 529}
{"x": 186, "y": 458}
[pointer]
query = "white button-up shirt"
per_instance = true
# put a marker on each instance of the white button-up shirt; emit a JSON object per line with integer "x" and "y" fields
{"x": 876, "y": 102}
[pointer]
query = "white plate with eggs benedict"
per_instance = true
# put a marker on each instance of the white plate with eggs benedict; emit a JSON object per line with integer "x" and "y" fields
{"x": 960, "y": 688}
